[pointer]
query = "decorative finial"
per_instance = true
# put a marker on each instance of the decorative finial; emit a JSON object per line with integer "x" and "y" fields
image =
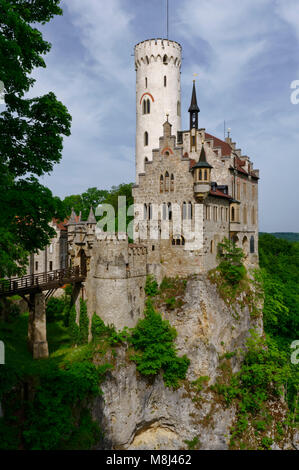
{"x": 195, "y": 75}
{"x": 167, "y": 116}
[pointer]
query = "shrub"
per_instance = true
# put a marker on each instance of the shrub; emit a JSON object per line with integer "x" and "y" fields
{"x": 151, "y": 286}
{"x": 55, "y": 308}
{"x": 153, "y": 338}
{"x": 73, "y": 327}
{"x": 50, "y": 417}
{"x": 83, "y": 323}
{"x": 98, "y": 327}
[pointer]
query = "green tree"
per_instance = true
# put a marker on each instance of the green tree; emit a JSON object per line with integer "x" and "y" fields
{"x": 231, "y": 258}
{"x": 31, "y": 132}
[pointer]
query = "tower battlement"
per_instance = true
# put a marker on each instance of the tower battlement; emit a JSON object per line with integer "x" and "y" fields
{"x": 155, "y": 50}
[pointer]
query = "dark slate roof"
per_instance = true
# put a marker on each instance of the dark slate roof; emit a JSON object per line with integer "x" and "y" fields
{"x": 202, "y": 162}
{"x": 193, "y": 105}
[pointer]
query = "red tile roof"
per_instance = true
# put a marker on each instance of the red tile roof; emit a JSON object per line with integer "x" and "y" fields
{"x": 60, "y": 225}
{"x": 239, "y": 164}
{"x": 219, "y": 193}
{"x": 225, "y": 147}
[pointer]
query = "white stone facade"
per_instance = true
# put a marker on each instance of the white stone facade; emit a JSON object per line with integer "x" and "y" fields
{"x": 158, "y": 93}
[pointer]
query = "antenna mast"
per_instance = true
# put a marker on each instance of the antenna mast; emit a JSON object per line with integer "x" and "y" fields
{"x": 167, "y": 15}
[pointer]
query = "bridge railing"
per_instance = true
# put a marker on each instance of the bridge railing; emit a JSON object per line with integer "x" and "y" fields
{"x": 42, "y": 280}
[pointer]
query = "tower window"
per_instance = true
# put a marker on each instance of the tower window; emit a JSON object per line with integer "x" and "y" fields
{"x": 169, "y": 211}
{"x": 51, "y": 265}
{"x": 166, "y": 181}
{"x": 161, "y": 184}
{"x": 145, "y": 82}
{"x": 165, "y": 60}
{"x": 165, "y": 80}
{"x": 36, "y": 265}
{"x": 178, "y": 108}
{"x": 145, "y": 139}
{"x": 172, "y": 183}
{"x": 146, "y": 106}
{"x": 252, "y": 248}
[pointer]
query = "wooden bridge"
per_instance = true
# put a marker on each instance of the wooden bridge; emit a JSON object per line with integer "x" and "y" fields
{"x": 32, "y": 288}
{"x": 48, "y": 281}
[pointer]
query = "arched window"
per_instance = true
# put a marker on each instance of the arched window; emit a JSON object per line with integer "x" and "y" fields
{"x": 164, "y": 211}
{"x": 245, "y": 245}
{"x": 145, "y": 138}
{"x": 244, "y": 215}
{"x": 145, "y": 212}
{"x": 166, "y": 181}
{"x": 172, "y": 183}
{"x": 145, "y": 82}
{"x": 252, "y": 248}
{"x": 184, "y": 210}
{"x": 165, "y": 60}
{"x": 161, "y": 184}
{"x": 200, "y": 175}
{"x": 212, "y": 246}
{"x": 178, "y": 240}
{"x": 238, "y": 190}
{"x": 150, "y": 211}
{"x": 145, "y": 160}
{"x": 148, "y": 106}
{"x": 233, "y": 214}
{"x": 207, "y": 212}
{"x": 169, "y": 211}
{"x": 190, "y": 211}
{"x": 253, "y": 221}
{"x": 144, "y": 107}
{"x": 206, "y": 175}
{"x": 165, "y": 80}
{"x": 178, "y": 108}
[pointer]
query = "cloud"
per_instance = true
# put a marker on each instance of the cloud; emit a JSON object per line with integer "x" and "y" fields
{"x": 245, "y": 53}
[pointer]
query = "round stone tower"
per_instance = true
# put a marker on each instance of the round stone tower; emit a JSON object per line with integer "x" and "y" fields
{"x": 158, "y": 93}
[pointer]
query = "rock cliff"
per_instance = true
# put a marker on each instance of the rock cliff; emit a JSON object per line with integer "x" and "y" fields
{"x": 139, "y": 413}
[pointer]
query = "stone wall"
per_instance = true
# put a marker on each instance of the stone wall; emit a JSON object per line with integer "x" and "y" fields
{"x": 114, "y": 287}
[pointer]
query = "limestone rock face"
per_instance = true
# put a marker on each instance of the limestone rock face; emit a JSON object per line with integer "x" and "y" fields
{"x": 138, "y": 413}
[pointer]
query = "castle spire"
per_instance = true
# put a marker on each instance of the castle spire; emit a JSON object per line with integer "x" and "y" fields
{"x": 72, "y": 219}
{"x": 91, "y": 218}
{"x": 194, "y": 109}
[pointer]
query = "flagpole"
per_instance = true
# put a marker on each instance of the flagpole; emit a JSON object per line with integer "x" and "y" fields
{"x": 167, "y": 14}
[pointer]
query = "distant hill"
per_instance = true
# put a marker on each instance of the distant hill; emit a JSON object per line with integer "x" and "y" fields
{"x": 290, "y": 236}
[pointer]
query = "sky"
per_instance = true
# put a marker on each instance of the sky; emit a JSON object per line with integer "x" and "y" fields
{"x": 245, "y": 54}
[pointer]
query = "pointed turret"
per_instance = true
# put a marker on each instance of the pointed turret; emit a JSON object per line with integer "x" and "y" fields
{"x": 72, "y": 219}
{"x": 202, "y": 175}
{"x": 91, "y": 218}
{"x": 202, "y": 162}
{"x": 194, "y": 109}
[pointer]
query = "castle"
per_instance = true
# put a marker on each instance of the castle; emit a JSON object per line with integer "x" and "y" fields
{"x": 192, "y": 190}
